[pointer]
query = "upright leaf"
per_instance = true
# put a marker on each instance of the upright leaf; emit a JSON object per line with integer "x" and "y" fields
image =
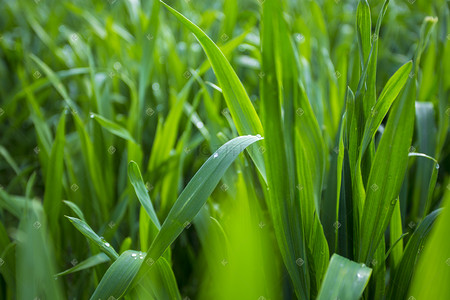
{"x": 345, "y": 279}
{"x": 238, "y": 102}
{"x": 194, "y": 196}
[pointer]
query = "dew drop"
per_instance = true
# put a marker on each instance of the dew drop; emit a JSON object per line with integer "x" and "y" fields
{"x": 134, "y": 254}
{"x": 216, "y": 155}
{"x": 91, "y": 115}
{"x": 394, "y": 201}
{"x": 141, "y": 257}
{"x": 258, "y": 136}
{"x": 199, "y": 124}
{"x": 359, "y": 275}
{"x": 155, "y": 86}
{"x": 107, "y": 244}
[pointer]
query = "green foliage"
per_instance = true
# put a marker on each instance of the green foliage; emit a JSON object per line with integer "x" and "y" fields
{"x": 224, "y": 149}
{"x": 344, "y": 279}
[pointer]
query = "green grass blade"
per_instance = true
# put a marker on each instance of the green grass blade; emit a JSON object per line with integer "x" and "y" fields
{"x": 387, "y": 172}
{"x": 86, "y": 264}
{"x": 364, "y": 29}
{"x": 35, "y": 259}
{"x": 163, "y": 286}
{"x": 75, "y": 209}
{"x": 432, "y": 272}
{"x": 310, "y": 156}
{"x": 285, "y": 211}
{"x": 401, "y": 280}
{"x": 396, "y": 237}
{"x": 238, "y": 102}
{"x": 53, "y": 78}
{"x": 87, "y": 231}
{"x": 119, "y": 276}
{"x": 134, "y": 174}
{"x": 166, "y": 133}
{"x": 194, "y": 196}
{"x": 53, "y": 182}
{"x": 344, "y": 280}
{"x": 384, "y": 102}
{"x": 113, "y": 127}
{"x": 426, "y": 138}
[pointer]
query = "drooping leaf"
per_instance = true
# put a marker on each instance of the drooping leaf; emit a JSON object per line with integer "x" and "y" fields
{"x": 194, "y": 196}
{"x": 87, "y": 231}
{"x": 238, "y": 102}
{"x": 113, "y": 127}
{"x": 86, "y": 264}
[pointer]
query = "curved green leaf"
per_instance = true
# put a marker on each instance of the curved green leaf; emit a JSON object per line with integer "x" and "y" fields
{"x": 75, "y": 209}
{"x": 384, "y": 102}
{"x": 401, "y": 279}
{"x": 113, "y": 127}
{"x": 344, "y": 280}
{"x": 87, "y": 231}
{"x": 194, "y": 196}
{"x": 387, "y": 172}
{"x": 119, "y": 276}
{"x": 238, "y": 102}
{"x": 86, "y": 264}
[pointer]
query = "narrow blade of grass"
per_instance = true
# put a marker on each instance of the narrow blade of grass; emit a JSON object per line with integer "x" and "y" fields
{"x": 241, "y": 108}
{"x": 194, "y": 196}
{"x": 345, "y": 279}
{"x": 86, "y": 264}
{"x": 119, "y": 276}
{"x": 134, "y": 174}
{"x": 387, "y": 172}
{"x": 113, "y": 127}
{"x": 384, "y": 102}
{"x": 53, "y": 182}
{"x": 432, "y": 271}
{"x": 87, "y": 231}
{"x": 285, "y": 211}
{"x": 401, "y": 280}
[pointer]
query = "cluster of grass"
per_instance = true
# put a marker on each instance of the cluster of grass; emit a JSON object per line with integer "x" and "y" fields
{"x": 224, "y": 149}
